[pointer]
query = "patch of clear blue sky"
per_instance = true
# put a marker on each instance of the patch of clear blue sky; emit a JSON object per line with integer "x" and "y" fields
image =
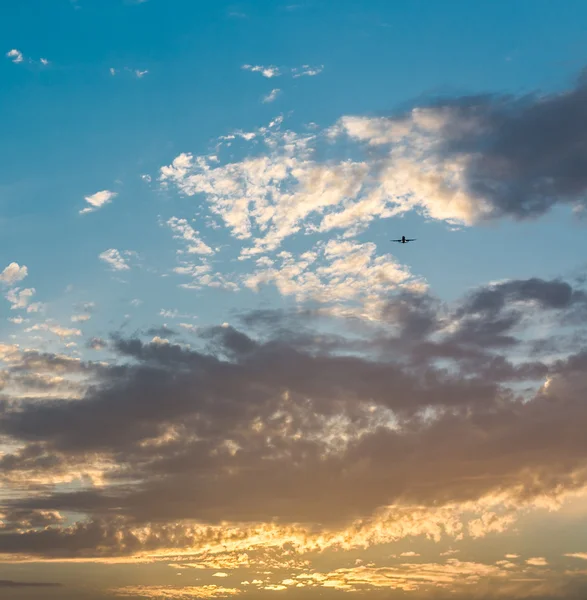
{"x": 71, "y": 129}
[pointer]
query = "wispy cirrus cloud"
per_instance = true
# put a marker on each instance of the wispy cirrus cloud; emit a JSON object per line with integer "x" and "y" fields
{"x": 271, "y": 96}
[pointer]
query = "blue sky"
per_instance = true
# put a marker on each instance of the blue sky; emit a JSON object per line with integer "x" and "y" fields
{"x": 83, "y": 130}
{"x": 235, "y": 172}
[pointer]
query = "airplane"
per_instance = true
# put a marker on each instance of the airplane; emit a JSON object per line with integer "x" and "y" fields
{"x": 403, "y": 240}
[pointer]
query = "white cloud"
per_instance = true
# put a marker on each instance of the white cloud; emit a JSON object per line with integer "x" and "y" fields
{"x": 15, "y": 55}
{"x": 338, "y": 271}
{"x": 273, "y": 71}
{"x": 112, "y": 71}
{"x": 19, "y": 298}
{"x": 183, "y": 230}
{"x": 13, "y": 273}
{"x": 44, "y": 62}
{"x": 98, "y": 200}
{"x": 268, "y": 72}
{"x": 274, "y": 193}
{"x": 202, "y": 276}
{"x": 62, "y": 332}
{"x": 271, "y": 96}
{"x": 307, "y": 70}
{"x": 114, "y": 258}
{"x": 140, "y": 74}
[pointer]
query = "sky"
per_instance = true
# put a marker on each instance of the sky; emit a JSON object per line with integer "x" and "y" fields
{"x": 219, "y": 376}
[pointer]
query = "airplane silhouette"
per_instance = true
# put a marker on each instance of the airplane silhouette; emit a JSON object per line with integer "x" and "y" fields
{"x": 403, "y": 240}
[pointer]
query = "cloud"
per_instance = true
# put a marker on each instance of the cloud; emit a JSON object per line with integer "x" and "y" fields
{"x": 114, "y": 259}
{"x": 62, "y": 332}
{"x": 19, "y": 298}
{"x": 479, "y": 158}
{"x": 307, "y": 71}
{"x": 273, "y": 71}
{"x": 268, "y": 72}
{"x": 15, "y": 55}
{"x": 97, "y": 343}
{"x": 336, "y": 272}
{"x": 271, "y": 96}
{"x": 6, "y": 583}
{"x": 537, "y": 562}
{"x": 463, "y": 160}
{"x": 348, "y": 433}
{"x": 140, "y": 74}
{"x": 183, "y": 230}
{"x": 13, "y": 273}
{"x": 80, "y": 318}
{"x": 271, "y": 197}
{"x": 176, "y": 592}
{"x": 581, "y": 555}
{"x": 98, "y": 200}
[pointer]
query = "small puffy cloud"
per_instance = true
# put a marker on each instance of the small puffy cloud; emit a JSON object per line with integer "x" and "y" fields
{"x": 537, "y": 562}
{"x": 19, "y": 298}
{"x": 44, "y": 62}
{"x": 13, "y": 273}
{"x": 114, "y": 259}
{"x": 409, "y": 554}
{"x": 268, "y": 72}
{"x": 140, "y": 74}
{"x": 15, "y": 55}
{"x": 35, "y": 307}
{"x": 17, "y": 320}
{"x": 271, "y": 96}
{"x": 98, "y": 200}
{"x": 112, "y": 71}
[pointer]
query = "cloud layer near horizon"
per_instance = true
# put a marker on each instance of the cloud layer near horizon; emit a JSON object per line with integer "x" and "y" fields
{"x": 289, "y": 431}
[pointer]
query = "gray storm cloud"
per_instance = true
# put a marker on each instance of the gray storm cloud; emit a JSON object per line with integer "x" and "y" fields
{"x": 297, "y": 427}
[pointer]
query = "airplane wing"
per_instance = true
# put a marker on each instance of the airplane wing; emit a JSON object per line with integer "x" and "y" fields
{"x": 395, "y": 240}
{"x": 413, "y": 240}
